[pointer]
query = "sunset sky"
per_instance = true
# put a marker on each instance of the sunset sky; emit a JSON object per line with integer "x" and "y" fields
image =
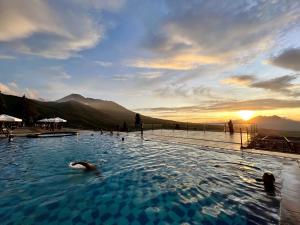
{"x": 183, "y": 60}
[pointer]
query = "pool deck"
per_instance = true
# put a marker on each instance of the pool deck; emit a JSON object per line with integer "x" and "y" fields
{"x": 24, "y": 131}
{"x": 290, "y": 192}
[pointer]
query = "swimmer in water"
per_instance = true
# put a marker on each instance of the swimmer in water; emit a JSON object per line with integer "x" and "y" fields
{"x": 83, "y": 165}
{"x": 86, "y": 166}
{"x": 10, "y": 138}
{"x": 268, "y": 180}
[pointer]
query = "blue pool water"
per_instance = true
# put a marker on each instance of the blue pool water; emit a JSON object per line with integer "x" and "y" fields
{"x": 139, "y": 182}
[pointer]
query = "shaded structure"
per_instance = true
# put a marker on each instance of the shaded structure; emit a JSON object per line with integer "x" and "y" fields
{"x": 6, "y": 123}
{"x": 52, "y": 123}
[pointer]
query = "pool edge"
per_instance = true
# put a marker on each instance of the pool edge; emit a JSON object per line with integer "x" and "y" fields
{"x": 290, "y": 202}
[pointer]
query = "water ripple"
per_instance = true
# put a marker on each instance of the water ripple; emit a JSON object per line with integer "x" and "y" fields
{"x": 137, "y": 180}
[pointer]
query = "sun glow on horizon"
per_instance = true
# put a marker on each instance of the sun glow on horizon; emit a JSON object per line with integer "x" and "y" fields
{"x": 246, "y": 114}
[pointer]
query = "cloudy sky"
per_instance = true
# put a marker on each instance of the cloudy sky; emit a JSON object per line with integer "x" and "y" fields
{"x": 185, "y": 60}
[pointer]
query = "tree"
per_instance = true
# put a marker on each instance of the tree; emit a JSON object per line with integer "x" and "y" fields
{"x": 137, "y": 120}
{"x": 29, "y": 113}
{"x": 125, "y": 128}
{"x": 3, "y": 107}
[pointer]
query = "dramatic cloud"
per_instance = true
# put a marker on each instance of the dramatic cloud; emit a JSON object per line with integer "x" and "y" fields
{"x": 186, "y": 61}
{"x": 281, "y": 84}
{"x": 216, "y": 30}
{"x": 13, "y": 89}
{"x": 42, "y": 28}
{"x": 240, "y": 80}
{"x": 289, "y": 59}
{"x": 8, "y": 89}
{"x": 257, "y": 104}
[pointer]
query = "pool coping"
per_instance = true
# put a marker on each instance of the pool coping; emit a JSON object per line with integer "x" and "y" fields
{"x": 290, "y": 203}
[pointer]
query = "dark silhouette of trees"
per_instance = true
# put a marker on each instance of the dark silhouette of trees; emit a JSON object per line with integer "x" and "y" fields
{"x": 3, "y": 107}
{"x": 137, "y": 120}
{"x": 29, "y": 113}
{"x": 125, "y": 128}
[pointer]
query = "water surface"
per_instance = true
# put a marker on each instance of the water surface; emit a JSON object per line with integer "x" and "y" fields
{"x": 139, "y": 182}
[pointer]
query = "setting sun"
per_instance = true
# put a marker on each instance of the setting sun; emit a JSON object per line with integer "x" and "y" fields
{"x": 246, "y": 114}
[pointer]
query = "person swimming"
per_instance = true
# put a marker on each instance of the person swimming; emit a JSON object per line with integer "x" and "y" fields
{"x": 10, "y": 138}
{"x": 87, "y": 167}
{"x": 83, "y": 165}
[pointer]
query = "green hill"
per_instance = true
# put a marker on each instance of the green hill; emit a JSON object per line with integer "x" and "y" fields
{"x": 80, "y": 112}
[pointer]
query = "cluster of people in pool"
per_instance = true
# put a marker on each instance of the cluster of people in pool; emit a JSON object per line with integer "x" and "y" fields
{"x": 111, "y": 133}
{"x": 268, "y": 178}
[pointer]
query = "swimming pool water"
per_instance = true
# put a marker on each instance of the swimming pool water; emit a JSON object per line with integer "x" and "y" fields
{"x": 138, "y": 182}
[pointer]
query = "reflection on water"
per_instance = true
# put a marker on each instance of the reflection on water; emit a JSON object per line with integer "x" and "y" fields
{"x": 142, "y": 182}
{"x": 208, "y": 138}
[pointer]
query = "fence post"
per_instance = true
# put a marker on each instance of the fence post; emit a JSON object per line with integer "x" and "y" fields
{"x": 142, "y": 130}
{"x": 247, "y": 135}
{"x": 241, "y": 137}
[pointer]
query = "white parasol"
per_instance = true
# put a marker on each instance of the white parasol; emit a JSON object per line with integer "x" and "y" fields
{"x": 7, "y": 118}
{"x": 56, "y": 120}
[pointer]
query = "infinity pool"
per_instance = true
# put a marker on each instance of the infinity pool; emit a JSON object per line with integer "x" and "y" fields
{"x": 138, "y": 182}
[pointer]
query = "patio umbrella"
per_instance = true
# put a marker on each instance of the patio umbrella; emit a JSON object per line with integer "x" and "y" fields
{"x": 56, "y": 120}
{"x": 43, "y": 120}
{"x": 7, "y": 118}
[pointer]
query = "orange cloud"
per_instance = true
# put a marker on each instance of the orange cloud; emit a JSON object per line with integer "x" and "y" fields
{"x": 185, "y": 61}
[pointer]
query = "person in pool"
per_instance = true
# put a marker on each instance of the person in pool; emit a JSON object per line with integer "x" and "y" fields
{"x": 10, "y": 138}
{"x": 85, "y": 165}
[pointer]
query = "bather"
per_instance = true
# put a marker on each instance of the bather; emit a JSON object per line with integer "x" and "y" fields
{"x": 83, "y": 165}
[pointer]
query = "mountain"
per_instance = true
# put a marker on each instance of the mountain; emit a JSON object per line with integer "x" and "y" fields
{"x": 276, "y": 123}
{"x": 80, "y": 112}
{"x": 108, "y": 107}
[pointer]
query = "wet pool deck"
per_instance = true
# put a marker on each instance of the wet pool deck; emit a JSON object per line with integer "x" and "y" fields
{"x": 290, "y": 192}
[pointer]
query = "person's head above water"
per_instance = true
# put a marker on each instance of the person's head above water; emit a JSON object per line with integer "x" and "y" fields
{"x": 269, "y": 182}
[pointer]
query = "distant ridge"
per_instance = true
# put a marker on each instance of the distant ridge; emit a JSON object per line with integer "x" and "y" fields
{"x": 81, "y": 112}
{"x": 276, "y": 123}
{"x": 71, "y": 97}
{"x": 107, "y": 106}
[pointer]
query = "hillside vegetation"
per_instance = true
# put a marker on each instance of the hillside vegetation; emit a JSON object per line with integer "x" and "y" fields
{"x": 80, "y": 112}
